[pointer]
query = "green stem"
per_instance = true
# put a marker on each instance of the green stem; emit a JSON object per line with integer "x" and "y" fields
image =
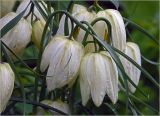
{"x": 34, "y": 103}
{"x": 97, "y": 6}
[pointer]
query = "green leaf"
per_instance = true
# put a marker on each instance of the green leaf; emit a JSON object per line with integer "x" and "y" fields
{"x": 37, "y": 104}
{"x": 111, "y": 107}
{"x": 140, "y": 101}
{"x": 12, "y": 23}
{"x": 115, "y": 3}
{"x": 141, "y": 30}
{"x": 20, "y": 60}
{"x": 149, "y": 61}
{"x": 44, "y": 15}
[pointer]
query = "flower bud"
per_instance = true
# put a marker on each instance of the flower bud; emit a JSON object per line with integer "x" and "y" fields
{"x": 58, "y": 104}
{"x": 98, "y": 76}
{"x": 133, "y": 51}
{"x": 25, "y": 3}
{"x": 7, "y": 78}
{"x": 117, "y": 25}
{"x": 19, "y": 36}
{"x": 6, "y": 6}
{"x": 37, "y": 31}
{"x": 63, "y": 57}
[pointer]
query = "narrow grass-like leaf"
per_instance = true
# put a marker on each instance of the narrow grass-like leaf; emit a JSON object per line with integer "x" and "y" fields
{"x": 70, "y": 6}
{"x": 66, "y": 29}
{"x": 115, "y": 3}
{"x": 149, "y": 61}
{"x": 37, "y": 104}
{"x": 12, "y": 23}
{"x": 141, "y": 30}
{"x": 140, "y": 101}
{"x": 20, "y": 59}
{"x": 44, "y": 15}
{"x": 111, "y": 107}
{"x": 134, "y": 107}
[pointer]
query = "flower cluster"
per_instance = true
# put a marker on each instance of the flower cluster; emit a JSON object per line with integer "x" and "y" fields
{"x": 65, "y": 58}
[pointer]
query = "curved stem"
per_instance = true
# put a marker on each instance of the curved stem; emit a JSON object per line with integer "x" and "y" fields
{"x": 37, "y": 104}
{"x": 97, "y": 6}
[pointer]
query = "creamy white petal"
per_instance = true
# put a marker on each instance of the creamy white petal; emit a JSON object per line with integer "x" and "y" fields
{"x": 101, "y": 27}
{"x": 98, "y": 79}
{"x": 78, "y": 8}
{"x": 133, "y": 51}
{"x": 84, "y": 79}
{"x": 25, "y": 3}
{"x": 63, "y": 57}
{"x": 51, "y": 50}
{"x": 7, "y": 78}
{"x": 6, "y": 6}
{"x": 98, "y": 76}
{"x": 19, "y": 36}
{"x": 118, "y": 28}
{"x": 37, "y": 31}
{"x": 60, "y": 30}
{"x": 22, "y": 6}
{"x": 112, "y": 77}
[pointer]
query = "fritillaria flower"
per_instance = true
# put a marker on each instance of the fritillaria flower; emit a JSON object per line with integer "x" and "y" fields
{"x": 98, "y": 77}
{"x": 133, "y": 51}
{"x": 19, "y": 36}
{"x": 117, "y": 25}
{"x": 62, "y": 57}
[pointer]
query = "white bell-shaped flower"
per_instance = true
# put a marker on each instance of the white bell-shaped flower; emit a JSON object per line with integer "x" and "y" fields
{"x": 19, "y": 36}
{"x": 7, "y": 78}
{"x": 98, "y": 76}
{"x": 117, "y": 25}
{"x": 58, "y": 104}
{"x": 133, "y": 51}
{"x": 63, "y": 57}
{"x": 6, "y": 6}
{"x": 37, "y": 31}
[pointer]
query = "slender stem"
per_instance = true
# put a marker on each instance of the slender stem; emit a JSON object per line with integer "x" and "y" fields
{"x": 97, "y": 6}
{"x": 37, "y": 104}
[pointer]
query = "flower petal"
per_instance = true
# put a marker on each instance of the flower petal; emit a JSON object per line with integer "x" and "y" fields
{"x": 7, "y": 78}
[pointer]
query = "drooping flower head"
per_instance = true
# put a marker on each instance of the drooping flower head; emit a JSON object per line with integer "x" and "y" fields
{"x": 62, "y": 57}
